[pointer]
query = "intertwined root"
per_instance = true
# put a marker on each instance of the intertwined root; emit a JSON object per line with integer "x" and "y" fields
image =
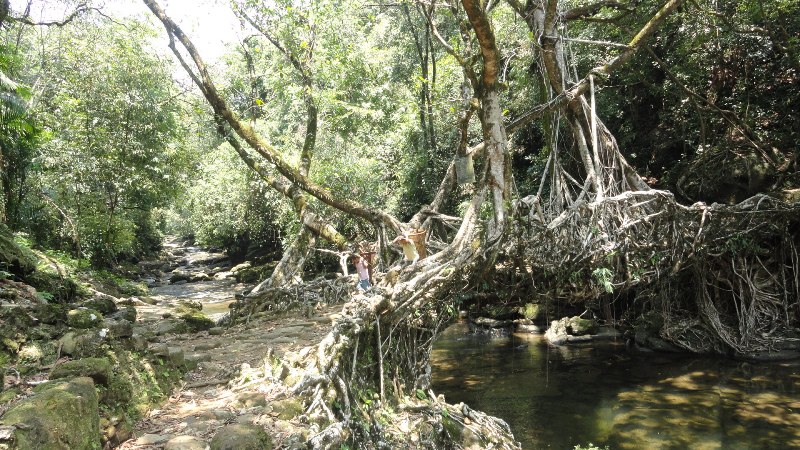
{"x": 725, "y": 278}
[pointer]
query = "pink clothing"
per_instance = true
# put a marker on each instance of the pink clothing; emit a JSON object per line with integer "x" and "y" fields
{"x": 361, "y": 268}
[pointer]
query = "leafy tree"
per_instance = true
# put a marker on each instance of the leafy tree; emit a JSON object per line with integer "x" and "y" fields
{"x": 112, "y": 152}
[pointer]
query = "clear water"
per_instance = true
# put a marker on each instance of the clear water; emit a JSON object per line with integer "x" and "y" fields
{"x": 559, "y": 397}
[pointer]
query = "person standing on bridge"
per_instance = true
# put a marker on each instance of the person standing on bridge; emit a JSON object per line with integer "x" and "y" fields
{"x": 363, "y": 272}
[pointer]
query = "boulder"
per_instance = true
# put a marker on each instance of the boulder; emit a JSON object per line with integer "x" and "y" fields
{"x": 195, "y": 319}
{"x": 127, "y": 313}
{"x": 118, "y": 329}
{"x": 241, "y": 436}
{"x": 103, "y": 303}
{"x": 570, "y": 329}
{"x": 82, "y": 343}
{"x": 61, "y": 415}
{"x": 184, "y": 442}
{"x": 84, "y": 318}
{"x": 13, "y": 258}
{"x": 98, "y": 369}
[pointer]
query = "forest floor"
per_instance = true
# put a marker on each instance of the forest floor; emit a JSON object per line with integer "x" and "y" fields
{"x": 232, "y": 382}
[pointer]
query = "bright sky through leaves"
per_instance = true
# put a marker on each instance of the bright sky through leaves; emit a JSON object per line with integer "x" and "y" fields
{"x": 210, "y": 23}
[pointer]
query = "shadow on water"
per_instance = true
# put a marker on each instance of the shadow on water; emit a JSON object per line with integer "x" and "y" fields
{"x": 558, "y": 397}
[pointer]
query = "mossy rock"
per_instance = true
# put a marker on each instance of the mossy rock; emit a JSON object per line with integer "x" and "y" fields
{"x": 127, "y": 313}
{"x": 581, "y": 327}
{"x": 98, "y": 369}
{"x": 13, "y": 258}
{"x": 52, "y": 313}
{"x": 103, "y": 304}
{"x": 189, "y": 304}
{"x": 194, "y": 319}
{"x": 241, "y": 436}
{"x": 61, "y": 415}
{"x": 82, "y": 343}
{"x": 15, "y": 324}
{"x": 287, "y": 408}
{"x": 84, "y": 318}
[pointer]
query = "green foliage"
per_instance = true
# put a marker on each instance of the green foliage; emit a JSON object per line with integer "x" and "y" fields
{"x": 111, "y": 146}
{"x": 604, "y": 277}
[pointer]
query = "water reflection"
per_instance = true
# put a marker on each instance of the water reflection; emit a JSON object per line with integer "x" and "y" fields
{"x": 557, "y": 397}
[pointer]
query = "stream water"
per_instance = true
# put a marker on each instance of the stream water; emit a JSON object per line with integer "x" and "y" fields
{"x": 559, "y": 397}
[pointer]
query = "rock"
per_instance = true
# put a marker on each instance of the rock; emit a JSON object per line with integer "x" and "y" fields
{"x": 153, "y": 439}
{"x": 528, "y": 328}
{"x": 189, "y": 304}
{"x": 52, "y": 313}
{"x": 184, "y": 442}
{"x": 127, "y": 313}
{"x": 287, "y": 408}
{"x": 239, "y": 267}
{"x": 61, "y": 415}
{"x": 216, "y": 331}
{"x": 84, "y": 318}
{"x": 81, "y": 343}
{"x": 170, "y": 327}
{"x": 105, "y": 304}
{"x": 199, "y": 277}
{"x": 98, "y": 369}
{"x": 172, "y": 354}
{"x": 118, "y": 328}
{"x": 570, "y": 329}
{"x": 178, "y": 276}
{"x": 195, "y": 319}
{"x": 241, "y": 436}
{"x": 251, "y": 399}
{"x": 579, "y": 327}
{"x": 138, "y": 342}
{"x": 15, "y": 259}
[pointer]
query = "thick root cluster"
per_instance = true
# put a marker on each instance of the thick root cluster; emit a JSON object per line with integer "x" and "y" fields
{"x": 724, "y": 278}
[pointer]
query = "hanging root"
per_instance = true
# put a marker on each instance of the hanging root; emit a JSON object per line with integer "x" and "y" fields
{"x": 725, "y": 278}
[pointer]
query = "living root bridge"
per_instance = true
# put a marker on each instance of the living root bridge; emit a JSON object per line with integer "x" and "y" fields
{"x": 367, "y": 382}
{"x": 725, "y": 278}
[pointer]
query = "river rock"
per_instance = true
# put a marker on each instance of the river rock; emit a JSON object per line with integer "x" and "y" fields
{"x": 195, "y": 319}
{"x": 241, "y": 436}
{"x": 106, "y": 304}
{"x": 61, "y": 415}
{"x": 98, "y": 369}
{"x": 172, "y": 354}
{"x": 127, "y": 313}
{"x": 81, "y": 343}
{"x": 84, "y": 318}
{"x": 118, "y": 329}
{"x": 184, "y": 442}
{"x": 570, "y": 329}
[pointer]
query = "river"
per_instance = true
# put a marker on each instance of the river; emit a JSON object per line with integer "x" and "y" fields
{"x": 600, "y": 393}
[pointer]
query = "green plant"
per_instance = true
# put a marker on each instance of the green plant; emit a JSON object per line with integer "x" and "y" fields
{"x": 604, "y": 277}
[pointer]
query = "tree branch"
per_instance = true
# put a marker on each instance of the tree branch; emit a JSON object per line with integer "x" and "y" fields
{"x": 248, "y": 134}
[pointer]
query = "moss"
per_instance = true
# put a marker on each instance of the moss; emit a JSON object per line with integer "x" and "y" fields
{"x": 14, "y": 258}
{"x": 84, "y": 318}
{"x": 60, "y": 416}
{"x": 98, "y": 369}
{"x": 194, "y": 319}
